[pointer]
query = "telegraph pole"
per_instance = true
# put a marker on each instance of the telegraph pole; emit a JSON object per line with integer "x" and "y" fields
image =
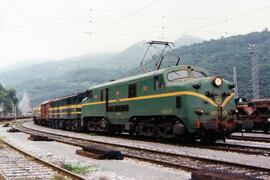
{"x": 2, "y": 109}
{"x": 14, "y": 110}
{"x": 163, "y": 28}
{"x": 254, "y": 72}
{"x": 235, "y": 82}
{"x": 91, "y": 22}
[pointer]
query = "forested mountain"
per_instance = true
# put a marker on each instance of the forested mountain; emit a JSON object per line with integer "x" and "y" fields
{"x": 186, "y": 41}
{"x": 132, "y": 56}
{"x": 11, "y": 76}
{"x": 128, "y": 58}
{"x": 53, "y": 79}
{"x": 219, "y": 57}
{"x": 7, "y": 98}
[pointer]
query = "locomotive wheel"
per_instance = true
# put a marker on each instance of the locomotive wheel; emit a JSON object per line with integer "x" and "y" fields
{"x": 92, "y": 127}
{"x": 103, "y": 125}
{"x": 145, "y": 129}
{"x": 73, "y": 126}
{"x": 165, "y": 130}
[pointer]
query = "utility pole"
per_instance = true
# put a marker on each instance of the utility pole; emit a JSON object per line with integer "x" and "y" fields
{"x": 235, "y": 82}
{"x": 2, "y": 109}
{"x": 14, "y": 110}
{"x": 254, "y": 72}
{"x": 91, "y": 22}
{"x": 163, "y": 28}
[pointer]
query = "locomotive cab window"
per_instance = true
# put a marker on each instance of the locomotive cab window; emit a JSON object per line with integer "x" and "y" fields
{"x": 158, "y": 82}
{"x": 68, "y": 101}
{"x": 175, "y": 75}
{"x": 198, "y": 74}
{"x": 132, "y": 92}
{"x": 89, "y": 94}
{"x": 101, "y": 95}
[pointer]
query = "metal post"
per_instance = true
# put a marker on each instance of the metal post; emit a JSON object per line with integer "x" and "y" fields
{"x": 254, "y": 72}
{"x": 235, "y": 82}
{"x": 14, "y": 111}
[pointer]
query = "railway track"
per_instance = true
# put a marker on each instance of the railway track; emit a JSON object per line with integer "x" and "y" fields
{"x": 250, "y": 138}
{"x": 216, "y": 146}
{"x": 175, "y": 160}
{"x": 18, "y": 164}
{"x": 9, "y": 118}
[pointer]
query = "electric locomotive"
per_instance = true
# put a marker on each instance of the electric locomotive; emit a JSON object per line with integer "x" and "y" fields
{"x": 174, "y": 102}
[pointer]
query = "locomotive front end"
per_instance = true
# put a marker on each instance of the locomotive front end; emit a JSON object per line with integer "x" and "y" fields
{"x": 207, "y": 109}
{"x": 214, "y": 113}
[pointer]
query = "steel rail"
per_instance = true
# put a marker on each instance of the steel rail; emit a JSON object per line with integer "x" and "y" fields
{"x": 216, "y": 146}
{"x": 58, "y": 169}
{"x": 250, "y": 138}
{"x": 163, "y": 158}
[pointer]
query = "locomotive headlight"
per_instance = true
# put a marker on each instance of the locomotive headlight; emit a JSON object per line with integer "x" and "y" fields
{"x": 217, "y": 81}
{"x": 199, "y": 111}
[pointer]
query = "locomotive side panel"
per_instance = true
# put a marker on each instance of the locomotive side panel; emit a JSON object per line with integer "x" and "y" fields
{"x": 154, "y": 103}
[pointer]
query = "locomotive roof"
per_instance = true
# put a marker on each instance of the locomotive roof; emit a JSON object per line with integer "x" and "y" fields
{"x": 148, "y": 74}
{"x": 46, "y": 102}
{"x": 65, "y": 97}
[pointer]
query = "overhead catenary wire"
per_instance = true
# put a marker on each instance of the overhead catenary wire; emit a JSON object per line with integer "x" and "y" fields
{"x": 150, "y": 4}
{"x": 221, "y": 21}
{"x": 112, "y": 24}
{"x": 106, "y": 27}
{"x": 127, "y": 16}
{"x": 109, "y": 23}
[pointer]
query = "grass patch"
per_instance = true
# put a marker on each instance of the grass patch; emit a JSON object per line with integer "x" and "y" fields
{"x": 78, "y": 169}
{"x": 60, "y": 177}
{"x": 92, "y": 134}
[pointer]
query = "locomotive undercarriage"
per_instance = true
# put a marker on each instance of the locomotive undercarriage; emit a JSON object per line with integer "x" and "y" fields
{"x": 158, "y": 126}
{"x": 65, "y": 124}
{"x": 153, "y": 126}
{"x": 167, "y": 127}
{"x": 213, "y": 130}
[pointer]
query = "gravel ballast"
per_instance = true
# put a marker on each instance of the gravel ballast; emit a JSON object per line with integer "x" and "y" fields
{"x": 59, "y": 153}
{"x": 256, "y": 160}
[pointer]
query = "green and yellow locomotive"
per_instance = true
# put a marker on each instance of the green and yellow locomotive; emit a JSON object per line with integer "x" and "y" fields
{"x": 174, "y": 102}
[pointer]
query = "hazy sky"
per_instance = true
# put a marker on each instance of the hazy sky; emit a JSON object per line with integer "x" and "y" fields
{"x": 56, "y": 29}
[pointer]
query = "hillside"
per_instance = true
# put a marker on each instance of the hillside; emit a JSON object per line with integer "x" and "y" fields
{"x": 11, "y": 76}
{"x": 186, "y": 41}
{"x": 7, "y": 98}
{"x": 53, "y": 79}
{"x": 68, "y": 83}
{"x": 49, "y": 79}
{"x": 132, "y": 56}
{"x": 128, "y": 58}
{"x": 219, "y": 57}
